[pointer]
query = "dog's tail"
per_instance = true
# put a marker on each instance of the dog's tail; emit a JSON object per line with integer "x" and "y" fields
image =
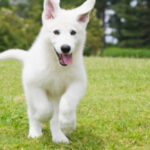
{"x": 14, "y": 54}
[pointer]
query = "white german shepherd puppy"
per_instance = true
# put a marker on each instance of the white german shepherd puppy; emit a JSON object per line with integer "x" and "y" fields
{"x": 54, "y": 77}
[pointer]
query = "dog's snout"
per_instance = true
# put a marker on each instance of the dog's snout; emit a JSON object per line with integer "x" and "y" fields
{"x": 65, "y": 49}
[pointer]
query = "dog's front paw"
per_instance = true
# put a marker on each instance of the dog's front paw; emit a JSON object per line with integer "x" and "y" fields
{"x": 67, "y": 124}
{"x": 34, "y": 134}
{"x": 60, "y": 138}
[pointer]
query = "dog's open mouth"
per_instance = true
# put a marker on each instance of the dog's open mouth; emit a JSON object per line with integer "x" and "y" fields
{"x": 65, "y": 59}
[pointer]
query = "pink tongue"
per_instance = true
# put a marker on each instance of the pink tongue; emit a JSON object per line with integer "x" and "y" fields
{"x": 67, "y": 59}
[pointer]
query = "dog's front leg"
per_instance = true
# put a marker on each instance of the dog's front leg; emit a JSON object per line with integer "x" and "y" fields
{"x": 57, "y": 135}
{"x": 68, "y": 105}
{"x": 39, "y": 109}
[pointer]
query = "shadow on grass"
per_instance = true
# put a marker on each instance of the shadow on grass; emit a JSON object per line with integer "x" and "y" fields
{"x": 87, "y": 139}
{"x": 82, "y": 138}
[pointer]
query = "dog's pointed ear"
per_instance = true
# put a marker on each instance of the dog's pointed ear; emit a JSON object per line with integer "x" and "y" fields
{"x": 83, "y": 18}
{"x": 51, "y": 7}
{"x": 84, "y": 10}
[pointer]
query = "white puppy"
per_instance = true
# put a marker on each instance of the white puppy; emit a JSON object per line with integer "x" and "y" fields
{"x": 54, "y": 77}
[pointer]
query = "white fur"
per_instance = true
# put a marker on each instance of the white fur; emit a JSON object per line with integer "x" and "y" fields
{"x": 53, "y": 91}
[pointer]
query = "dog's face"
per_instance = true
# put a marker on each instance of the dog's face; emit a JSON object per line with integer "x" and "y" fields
{"x": 64, "y": 29}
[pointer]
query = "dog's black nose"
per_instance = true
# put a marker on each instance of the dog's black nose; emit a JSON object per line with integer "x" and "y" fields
{"x": 65, "y": 49}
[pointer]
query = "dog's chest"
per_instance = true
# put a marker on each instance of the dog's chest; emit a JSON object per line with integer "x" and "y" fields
{"x": 56, "y": 82}
{"x": 56, "y": 85}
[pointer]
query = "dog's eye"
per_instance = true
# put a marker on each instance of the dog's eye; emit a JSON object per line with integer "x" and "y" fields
{"x": 73, "y": 32}
{"x": 57, "y": 32}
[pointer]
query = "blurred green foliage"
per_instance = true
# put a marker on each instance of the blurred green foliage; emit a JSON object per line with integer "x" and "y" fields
{"x": 20, "y": 24}
{"x": 95, "y": 34}
{"x": 15, "y": 31}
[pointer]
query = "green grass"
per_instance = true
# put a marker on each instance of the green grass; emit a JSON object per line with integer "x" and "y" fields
{"x": 126, "y": 52}
{"x": 113, "y": 115}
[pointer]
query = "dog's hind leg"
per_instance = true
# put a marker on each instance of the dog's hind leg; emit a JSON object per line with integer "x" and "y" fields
{"x": 39, "y": 109}
{"x": 57, "y": 135}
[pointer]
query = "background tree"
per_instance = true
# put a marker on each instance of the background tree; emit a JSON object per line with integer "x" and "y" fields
{"x": 132, "y": 24}
{"x": 4, "y": 3}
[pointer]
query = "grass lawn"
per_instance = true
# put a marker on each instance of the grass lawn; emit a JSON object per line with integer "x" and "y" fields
{"x": 126, "y": 52}
{"x": 113, "y": 115}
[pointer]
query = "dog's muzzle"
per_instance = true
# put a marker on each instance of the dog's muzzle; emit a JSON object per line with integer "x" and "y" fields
{"x": 64, "y": 59}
